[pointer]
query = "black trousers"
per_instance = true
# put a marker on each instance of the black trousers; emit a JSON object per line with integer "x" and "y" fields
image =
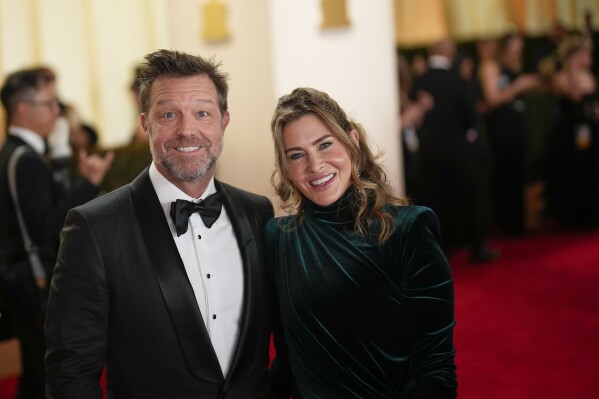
{"x": 30, "y": 333}
{"x": 455, "y": 188}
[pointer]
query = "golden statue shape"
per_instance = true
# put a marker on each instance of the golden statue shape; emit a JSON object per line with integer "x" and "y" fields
{"x": 215, "y": 25}
{"x": 334, "y": 14}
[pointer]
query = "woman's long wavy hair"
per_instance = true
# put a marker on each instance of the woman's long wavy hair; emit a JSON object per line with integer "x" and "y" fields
{"x": 372, "y": 189}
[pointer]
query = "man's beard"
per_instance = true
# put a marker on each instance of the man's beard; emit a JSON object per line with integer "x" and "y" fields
{"x": 191, "y": 170}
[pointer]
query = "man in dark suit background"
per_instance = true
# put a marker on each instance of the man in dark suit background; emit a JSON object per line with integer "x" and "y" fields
{"x": 174, "y": 308}
{"x": 29, "y": 97}
{"x": 451, "y": 155}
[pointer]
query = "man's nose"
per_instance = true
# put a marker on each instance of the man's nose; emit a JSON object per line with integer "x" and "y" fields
{"x": 187, "y": 125}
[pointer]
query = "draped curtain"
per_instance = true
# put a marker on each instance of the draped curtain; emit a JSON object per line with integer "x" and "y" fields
{"x": 92, "y": 45}
{"x": 420, "y": 22}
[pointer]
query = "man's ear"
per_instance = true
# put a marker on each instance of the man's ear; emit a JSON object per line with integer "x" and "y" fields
{"x": 21, "y": 107}
{"x": 143, "y": 122}
{"x": 226, "y": 120}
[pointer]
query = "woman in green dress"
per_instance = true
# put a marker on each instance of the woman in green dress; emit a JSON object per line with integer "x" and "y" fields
{"x": 365, "y": 292}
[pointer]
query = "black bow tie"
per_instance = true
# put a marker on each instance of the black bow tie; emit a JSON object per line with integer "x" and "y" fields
{"x": 209, "y": 210}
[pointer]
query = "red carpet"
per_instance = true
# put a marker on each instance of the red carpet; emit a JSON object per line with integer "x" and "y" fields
{"x": 8, "y": 387}
{"x": 528, "y": 325}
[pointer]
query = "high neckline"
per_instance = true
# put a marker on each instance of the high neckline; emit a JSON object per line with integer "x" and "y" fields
{"x": 340, "y": 211}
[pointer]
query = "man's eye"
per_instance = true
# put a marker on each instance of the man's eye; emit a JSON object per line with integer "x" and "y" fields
{"x": 168, "y": 115}
{"x": 202, "y": 114}
{"x": 297, "y": 155}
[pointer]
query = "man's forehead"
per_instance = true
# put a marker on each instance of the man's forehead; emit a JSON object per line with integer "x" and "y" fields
{"x": 166, "y": 99}
{"x": 197, "y": 86}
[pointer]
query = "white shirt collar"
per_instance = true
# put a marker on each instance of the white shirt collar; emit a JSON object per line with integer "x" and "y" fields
{"x": 439, "y": 62}
{"x": 167, "y": 192}
{"x": 29, "y": 137}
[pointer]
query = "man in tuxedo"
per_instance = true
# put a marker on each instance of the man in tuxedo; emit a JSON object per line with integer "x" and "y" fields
{"x": 155, "y": 280}
{"x": 29, "y": 98}
{"x": 452, "y": 155}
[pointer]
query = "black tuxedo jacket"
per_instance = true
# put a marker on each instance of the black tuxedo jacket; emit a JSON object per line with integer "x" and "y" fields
{"x": 443, "y": 131}
{"x": 452, "y": 167}
{"x": 44, "y": 203}
{"x": 120, "y": 297}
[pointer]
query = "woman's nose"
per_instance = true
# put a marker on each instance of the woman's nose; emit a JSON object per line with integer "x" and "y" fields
{"x": 314, "y": 163}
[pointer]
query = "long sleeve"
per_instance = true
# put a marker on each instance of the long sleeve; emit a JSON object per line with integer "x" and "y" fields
{"x": 429, "y": 306}
{"x": 77, "y": 319}
{"x": 45, "y": 203}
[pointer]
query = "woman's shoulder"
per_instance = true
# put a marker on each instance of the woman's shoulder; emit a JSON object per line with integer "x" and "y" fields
{"x": 410, "y": 212}
{"x": 414, "y": 225}
{"x": 413, "y": 217}
{"x": 276, "y": 225}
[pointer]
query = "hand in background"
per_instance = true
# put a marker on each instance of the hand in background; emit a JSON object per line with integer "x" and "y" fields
{"x": 414, "y": 111}
{"x": 527, "y": 82}
{"x": 94, "y": 167}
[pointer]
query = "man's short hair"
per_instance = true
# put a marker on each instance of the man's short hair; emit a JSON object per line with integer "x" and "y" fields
{"x": 178, "y": 64}
{"x": 22, "y": 85}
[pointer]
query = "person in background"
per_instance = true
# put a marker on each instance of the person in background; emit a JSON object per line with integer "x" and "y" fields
{"x": 486, "y": 60}
{"x": 365, "y": 292}
{"x": 139, "y": 135}
{"x": 66, "y": 141}
{"x": 451, "y": 156}
{"x": 418, "y": 65}
{"x": 573, "y": 165}
{"x": 29, "y": 98}
{"x": 133, "y": 157}
{"x": 59, "y": 151}
{"x": 84, "y": 137}
{"x": 411, "y": 115}
{"x": 164, "y": 281}
{"x": 591, "y": 31}
{"x": 503, "y": 84}
{"x": 545, "y": 60}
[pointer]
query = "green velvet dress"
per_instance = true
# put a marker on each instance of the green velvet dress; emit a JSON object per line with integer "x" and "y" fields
{"x": 362, "y": 320}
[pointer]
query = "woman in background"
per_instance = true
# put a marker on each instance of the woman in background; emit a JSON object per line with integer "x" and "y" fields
{"x": 574, "y": 159}
{"x": 365, "y": 292}
{"x": 503, "y": 85}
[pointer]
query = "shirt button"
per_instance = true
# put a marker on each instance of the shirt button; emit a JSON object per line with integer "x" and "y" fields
{"x": 199, "y": 237}
{"x": 213, "y": 316}
{"x": 208, "y": 275}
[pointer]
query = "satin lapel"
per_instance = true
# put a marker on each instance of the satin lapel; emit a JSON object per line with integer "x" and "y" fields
{"x": 237, "y": 212}
{"x": 174, "y": 284}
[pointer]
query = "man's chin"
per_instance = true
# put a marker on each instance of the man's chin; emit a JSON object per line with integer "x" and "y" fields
{"x": 190, "y": 175}
{"x": 190, "y": 178}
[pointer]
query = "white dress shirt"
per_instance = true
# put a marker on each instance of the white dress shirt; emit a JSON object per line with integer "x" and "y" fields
{"x": 32, "y": 139}
{"x": 439, "y": 62}
{"x": 214, "y": 267}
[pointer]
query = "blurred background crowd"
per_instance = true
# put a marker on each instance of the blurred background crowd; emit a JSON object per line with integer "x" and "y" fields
{"x": 500, "y": 135}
